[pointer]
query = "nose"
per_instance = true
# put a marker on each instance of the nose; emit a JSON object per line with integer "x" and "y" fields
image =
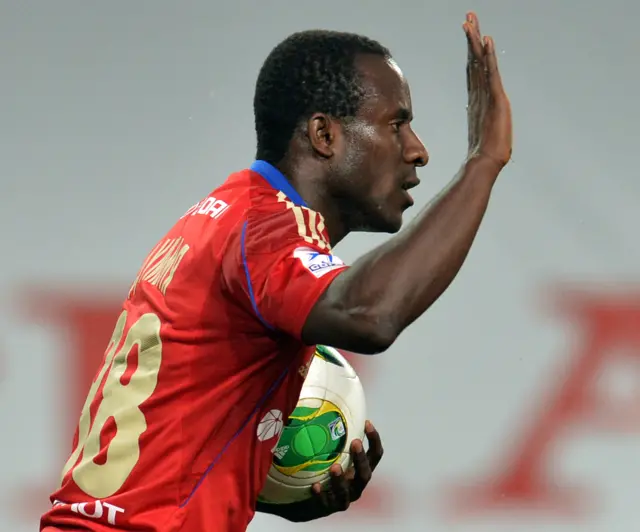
{"x": 415, "y": 152}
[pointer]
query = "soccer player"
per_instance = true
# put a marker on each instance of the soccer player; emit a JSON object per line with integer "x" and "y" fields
{"x": 209, "y": 353}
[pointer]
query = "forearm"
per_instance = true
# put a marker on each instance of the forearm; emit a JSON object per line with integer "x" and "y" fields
{"x": 424, "y": 259}
{"x": 387, "y": 289}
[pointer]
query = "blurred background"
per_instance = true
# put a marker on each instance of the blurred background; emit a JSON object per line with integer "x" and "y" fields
{"x": 512, "y": 405}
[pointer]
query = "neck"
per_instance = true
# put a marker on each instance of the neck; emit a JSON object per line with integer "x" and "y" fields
{"x": 309, "y": 180}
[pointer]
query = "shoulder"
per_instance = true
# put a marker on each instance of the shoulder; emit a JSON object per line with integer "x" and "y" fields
{"x": 259, "y": 218}
{"x": 274, "y": 220}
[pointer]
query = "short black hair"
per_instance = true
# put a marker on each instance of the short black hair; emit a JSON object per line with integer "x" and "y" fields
{"x": 309, "y": 72}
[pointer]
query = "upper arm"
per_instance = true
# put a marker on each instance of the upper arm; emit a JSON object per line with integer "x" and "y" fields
{"x": 336, "y": 320}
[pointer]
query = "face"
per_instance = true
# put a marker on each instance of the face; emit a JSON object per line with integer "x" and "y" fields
{"x": 376, "y": 154}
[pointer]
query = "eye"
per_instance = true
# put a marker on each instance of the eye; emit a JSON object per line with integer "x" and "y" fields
{"x": 396, "y": 126}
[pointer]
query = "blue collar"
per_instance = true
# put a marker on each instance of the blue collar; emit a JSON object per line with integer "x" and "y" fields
{"x": 278, "y": 181}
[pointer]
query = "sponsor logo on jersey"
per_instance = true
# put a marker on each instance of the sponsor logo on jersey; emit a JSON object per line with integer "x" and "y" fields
{"x": 317, "y": 263}
{"x": 98, "y": 510}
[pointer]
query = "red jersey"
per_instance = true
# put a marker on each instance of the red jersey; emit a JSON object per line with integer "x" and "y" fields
{"x": 204, "y": 366}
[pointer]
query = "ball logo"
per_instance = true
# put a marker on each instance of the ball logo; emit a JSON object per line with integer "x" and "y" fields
{"x": 270, "y": 426}
{"x": 281, "y": 452}
{"x": 317, "y": 263}
{"x": 337, "y": 430}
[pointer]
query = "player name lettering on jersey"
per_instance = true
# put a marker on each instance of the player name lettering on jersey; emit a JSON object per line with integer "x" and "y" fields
{"x": 161, "y": 264}
{"x": 210, "y": 206}
{"x": 317, "y": 263}
{"x": 98, "y": 510}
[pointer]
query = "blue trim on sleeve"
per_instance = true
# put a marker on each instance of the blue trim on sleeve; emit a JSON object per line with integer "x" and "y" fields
{"x": 278, "y": 181}
{"x": 217, "y": 459}
{"x": 252, "y": 296}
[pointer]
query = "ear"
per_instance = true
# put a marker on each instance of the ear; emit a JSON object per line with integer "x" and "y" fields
{"x": 323, "y": 132}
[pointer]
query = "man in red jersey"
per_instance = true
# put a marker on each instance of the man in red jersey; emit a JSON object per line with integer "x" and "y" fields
{"x": 208, "y": 355}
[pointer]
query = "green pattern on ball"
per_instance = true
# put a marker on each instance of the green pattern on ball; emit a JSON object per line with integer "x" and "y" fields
{"x": 313, "y": 439}
{"x": 326, "y": 355}
{"x": 309, "y": 440}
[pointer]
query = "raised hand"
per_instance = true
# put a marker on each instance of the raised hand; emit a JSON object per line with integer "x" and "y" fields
{"x": 489, "y": 109}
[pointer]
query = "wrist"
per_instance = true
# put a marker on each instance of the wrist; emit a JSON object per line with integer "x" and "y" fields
{"x": 296, "y": 512}
{"x": 305, "y": 511}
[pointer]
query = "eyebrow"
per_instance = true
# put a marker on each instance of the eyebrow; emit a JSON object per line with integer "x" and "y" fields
{"x": 404, "y": 114}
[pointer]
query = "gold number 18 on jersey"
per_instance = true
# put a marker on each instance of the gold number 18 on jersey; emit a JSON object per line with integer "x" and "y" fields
{"x": 119, "y": 402}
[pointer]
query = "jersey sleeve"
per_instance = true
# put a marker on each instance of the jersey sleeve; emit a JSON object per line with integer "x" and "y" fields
{"x": 282, "y": 266}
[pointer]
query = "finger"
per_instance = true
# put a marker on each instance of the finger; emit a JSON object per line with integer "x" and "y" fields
{"x": 350, "y": 473}
{"x": 320, "y": 495}
{"x": 493, "y": 72}
{"x": 475, "y": 59}
{"x": 472, "y": 17}
{"x": 362, "y": 469}
{"x": 471, "y": 79}
{"x": 338, "y": 489}
{"x": 375, "y": 452}
{"x": 474, "y": 39}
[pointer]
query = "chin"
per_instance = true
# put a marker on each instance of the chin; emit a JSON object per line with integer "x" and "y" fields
{"x": 388, "y": 223}
{"x": 394, "y": 226}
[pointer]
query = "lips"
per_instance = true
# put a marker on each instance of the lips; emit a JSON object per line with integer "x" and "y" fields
{"x": 410, "y": 182}
{"x": 407, "y": 184}
{"x": 408, "y": 197}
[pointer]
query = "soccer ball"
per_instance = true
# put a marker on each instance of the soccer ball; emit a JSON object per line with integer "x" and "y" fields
{"x": 329, "y": 415}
